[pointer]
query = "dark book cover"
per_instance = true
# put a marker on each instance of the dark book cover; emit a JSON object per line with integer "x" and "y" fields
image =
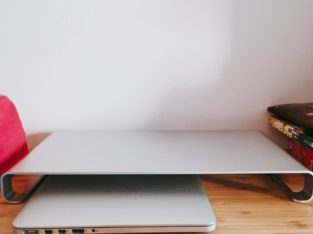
{"x": 300, "y": 114}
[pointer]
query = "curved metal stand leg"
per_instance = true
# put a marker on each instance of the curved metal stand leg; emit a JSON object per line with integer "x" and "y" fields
{"x": 304, "y": 196}
{"x": 7, "y": 189}
{"x": 8, "y": 193}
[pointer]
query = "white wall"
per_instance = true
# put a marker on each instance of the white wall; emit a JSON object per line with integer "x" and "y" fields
{"x": 160, "y": 64}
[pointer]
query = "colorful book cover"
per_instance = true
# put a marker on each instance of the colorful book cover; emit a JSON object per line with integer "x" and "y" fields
{"x": 292, "y": 131}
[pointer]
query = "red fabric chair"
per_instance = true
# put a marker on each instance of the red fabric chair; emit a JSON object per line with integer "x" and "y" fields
{"x": 13, "y": 145}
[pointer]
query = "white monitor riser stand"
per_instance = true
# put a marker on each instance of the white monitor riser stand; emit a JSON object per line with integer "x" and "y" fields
{"x": 125, "y": 153}
{"x": 157, "y": 153}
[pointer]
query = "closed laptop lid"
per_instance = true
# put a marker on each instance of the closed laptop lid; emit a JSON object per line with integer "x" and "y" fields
{"x": 117, "y": 201}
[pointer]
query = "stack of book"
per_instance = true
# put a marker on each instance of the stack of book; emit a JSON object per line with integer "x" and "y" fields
{"x": 300, "y": 140}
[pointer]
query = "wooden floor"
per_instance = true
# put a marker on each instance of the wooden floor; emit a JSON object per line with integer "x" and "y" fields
{"x": 242, "y": 204}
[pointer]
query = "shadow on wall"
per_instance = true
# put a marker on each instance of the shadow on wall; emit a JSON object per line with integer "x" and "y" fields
{"x": 263, "y": 52}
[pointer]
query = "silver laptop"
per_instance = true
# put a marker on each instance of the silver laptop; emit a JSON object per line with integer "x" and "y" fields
{"x": 117, "y": 204}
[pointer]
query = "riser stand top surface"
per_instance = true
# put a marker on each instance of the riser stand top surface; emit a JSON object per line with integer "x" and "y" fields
{"x": 164, "y": 152}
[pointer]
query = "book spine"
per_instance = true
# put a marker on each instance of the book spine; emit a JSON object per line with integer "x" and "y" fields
{"x": 291, "y": 131}
{"x": 304, "y": 140}
{"x": 293, "y": 148}
{"x": 301, "y": 153}
{"x": 308, "y": 158}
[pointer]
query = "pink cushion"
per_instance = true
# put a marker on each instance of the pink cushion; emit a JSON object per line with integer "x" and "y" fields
{"x": 13, "y": 146}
